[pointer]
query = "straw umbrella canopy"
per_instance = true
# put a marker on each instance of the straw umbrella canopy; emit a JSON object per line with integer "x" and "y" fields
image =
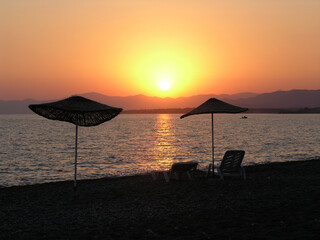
{"x": 79, "y": 111}
{"x": 212, "y": 106}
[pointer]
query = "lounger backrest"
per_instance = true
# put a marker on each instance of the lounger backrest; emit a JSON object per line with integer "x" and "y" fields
{"x": 184, "y": 166}
{"x": 232, "y": 160}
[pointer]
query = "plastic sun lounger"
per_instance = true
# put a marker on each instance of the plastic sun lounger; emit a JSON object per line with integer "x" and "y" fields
{"x": 230, "y": 165}
{"x": 176, "y": 169}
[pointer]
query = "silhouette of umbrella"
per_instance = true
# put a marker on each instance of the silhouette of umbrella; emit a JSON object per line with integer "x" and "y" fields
{"x": 79, "y": 111}
{"x": 212, "y": 106}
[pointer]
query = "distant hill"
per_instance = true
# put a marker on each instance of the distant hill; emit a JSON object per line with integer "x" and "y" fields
{"x": 144, "y": 102}
{"x": 275, "y": 100}
{"x": 281, "y": 100}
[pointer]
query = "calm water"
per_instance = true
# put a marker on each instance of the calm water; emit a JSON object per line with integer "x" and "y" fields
{"x": 35, "y": 150}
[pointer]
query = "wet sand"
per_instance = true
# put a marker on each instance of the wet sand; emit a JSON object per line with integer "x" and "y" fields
{"x": 277, "y": 201}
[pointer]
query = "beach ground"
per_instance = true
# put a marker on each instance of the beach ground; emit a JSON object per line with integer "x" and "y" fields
{"x": 277, "y": 201}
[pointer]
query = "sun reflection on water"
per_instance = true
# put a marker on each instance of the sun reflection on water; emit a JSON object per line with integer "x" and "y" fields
{"x": 36, "y": 150}
{"x": 163, "y": 150}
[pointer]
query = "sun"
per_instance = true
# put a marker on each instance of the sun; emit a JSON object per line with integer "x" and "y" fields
{"x": 164, "y": 84}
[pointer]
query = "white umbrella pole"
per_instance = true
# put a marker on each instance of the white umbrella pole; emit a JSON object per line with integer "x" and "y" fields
{"x": 75, "y": 159}
{"x": 212, "y": 145}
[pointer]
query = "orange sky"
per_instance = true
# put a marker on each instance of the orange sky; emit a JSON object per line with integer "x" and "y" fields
{"x": 53, "y": 49}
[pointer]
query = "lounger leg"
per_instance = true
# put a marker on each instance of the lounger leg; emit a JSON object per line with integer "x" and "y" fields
{"x": 154, "y": 176}
{"x": 176, "y": 175}
{"x": 243, "y": 173}
{"x": 220, "y": 173}
{"x": 209, "y": 170}
{"x": 166, "y": 177}
{"x": 189, "y": 175}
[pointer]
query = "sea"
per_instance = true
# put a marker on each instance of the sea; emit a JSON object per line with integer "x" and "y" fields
{"x": 37, "y": 150}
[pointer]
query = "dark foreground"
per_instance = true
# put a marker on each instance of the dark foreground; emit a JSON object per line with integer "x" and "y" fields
{"x": 277, "y": 201}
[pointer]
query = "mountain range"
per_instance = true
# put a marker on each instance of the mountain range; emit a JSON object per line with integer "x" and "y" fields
{"x": 274, "y": 100}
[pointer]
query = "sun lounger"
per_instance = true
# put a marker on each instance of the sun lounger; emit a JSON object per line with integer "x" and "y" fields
{"x": 176, "y": 169}
{"x": 230, "y": 165}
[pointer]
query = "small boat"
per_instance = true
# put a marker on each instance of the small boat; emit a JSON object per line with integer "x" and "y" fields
{"x": 244, "y": 117}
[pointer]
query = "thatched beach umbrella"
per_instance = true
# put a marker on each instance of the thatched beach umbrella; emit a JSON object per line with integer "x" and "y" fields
{"x": 79, "y": 111}
{"x": 212, "y": 106}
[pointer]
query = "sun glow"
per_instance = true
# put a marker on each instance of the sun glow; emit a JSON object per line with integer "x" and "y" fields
{"x": 164, "y": 84}
{"x": 162, "y": 67}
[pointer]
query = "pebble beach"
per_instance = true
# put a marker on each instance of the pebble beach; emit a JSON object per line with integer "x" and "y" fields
{"x": 277, "y": 201}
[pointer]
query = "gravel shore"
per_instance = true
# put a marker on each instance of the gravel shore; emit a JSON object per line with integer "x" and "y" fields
{"x": 277, "y": 201}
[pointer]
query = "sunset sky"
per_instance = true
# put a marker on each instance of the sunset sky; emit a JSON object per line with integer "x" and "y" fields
{"x": 56, "y": 48}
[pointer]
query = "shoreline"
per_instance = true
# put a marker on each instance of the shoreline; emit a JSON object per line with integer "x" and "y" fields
{"x": 145, "y": 174}
{"x": 277, "y": 201}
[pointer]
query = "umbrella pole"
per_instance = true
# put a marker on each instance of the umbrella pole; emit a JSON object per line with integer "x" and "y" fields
{"x": 212, "y": 140}
{"x": 75, "y": 160}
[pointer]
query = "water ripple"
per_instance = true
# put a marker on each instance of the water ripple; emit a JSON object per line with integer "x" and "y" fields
{"x": 36, "y": 150}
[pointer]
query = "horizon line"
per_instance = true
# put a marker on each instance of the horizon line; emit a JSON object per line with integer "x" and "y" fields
{"x": 140, "y": 94}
